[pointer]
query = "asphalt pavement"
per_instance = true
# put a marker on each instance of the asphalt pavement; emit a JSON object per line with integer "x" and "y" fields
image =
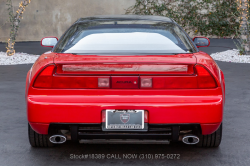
{"x": 27, "y": 47}
{"x": 234, "y": 149}
{"x": 216, "y": 45}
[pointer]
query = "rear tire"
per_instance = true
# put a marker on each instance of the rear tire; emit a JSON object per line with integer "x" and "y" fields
{"x": 38, "y": 140}
{"x": 211, "y": 140}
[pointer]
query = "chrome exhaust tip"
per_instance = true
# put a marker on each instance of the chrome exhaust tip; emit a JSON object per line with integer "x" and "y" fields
{"x": 190, "y": 139}
{"x": 57, "y": 139}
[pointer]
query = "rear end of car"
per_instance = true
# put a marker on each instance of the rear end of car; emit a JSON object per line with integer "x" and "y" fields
{"x": 106, "y": 96}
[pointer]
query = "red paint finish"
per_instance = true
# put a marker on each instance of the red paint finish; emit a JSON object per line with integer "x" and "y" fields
{"x": 41, "y": 128}
{"x": 209, "y": 128}
{"x": 191, "y": 107}
{"x": 165, "y": 102}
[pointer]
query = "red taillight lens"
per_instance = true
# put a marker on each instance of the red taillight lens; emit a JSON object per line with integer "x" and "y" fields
{"x": 74, "y": 82}
{"x": 146, "y": 82}
{"x": 48, "y": 71}
{"x": 205, "y": 79}
{"x": 202, "y": 80}
{"x": 45, "y": 78}
{"x": 175, "y": 82}
{"x": 48, "y": 78}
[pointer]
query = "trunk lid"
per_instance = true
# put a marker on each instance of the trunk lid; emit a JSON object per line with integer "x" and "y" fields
{"x": 126, "y": 72}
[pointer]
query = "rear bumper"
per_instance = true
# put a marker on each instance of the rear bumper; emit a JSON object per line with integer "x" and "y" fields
{"x": 206, "y": 110}
{"x": 163, "y": 131}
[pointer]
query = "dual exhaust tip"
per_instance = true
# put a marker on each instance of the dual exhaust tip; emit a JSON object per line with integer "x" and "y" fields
{"x": 187, "y": 139}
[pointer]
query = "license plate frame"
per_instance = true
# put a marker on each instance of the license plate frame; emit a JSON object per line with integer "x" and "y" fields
{"x": 124, "y": 120}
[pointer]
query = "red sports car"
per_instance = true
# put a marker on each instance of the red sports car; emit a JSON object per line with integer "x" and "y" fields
{"x": 125, "y": 79}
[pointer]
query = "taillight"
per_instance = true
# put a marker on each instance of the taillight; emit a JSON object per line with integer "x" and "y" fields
{"x": 169, "y": 82}
{"x": 45, "y": 78}
{"x": 49, "y": 78}
{"x": 74, "y": 82}
{"x": 205, "y": 79}
{"x": 202, "y": 80}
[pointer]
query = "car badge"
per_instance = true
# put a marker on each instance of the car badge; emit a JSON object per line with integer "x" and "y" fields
{"x": 124, "y": 117}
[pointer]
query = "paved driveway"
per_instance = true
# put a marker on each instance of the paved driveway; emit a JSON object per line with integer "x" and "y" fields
{"x": 15, "y": 148}
{"x": 36, "y": 48}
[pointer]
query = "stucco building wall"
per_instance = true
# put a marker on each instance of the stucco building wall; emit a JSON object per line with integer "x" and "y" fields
{"x": 52, "y": 17}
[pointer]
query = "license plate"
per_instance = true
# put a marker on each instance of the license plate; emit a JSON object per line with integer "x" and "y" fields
{"x": 124, "y": 119}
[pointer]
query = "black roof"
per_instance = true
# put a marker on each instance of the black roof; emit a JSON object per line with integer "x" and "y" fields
{"x": 126, "y": 17}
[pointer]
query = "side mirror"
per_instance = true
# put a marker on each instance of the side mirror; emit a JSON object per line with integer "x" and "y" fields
{"x": 49, "y": 41}
{"x": 201, "y": 41}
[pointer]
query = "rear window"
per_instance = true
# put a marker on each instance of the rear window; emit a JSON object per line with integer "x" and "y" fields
{"x": 124, "y": 37}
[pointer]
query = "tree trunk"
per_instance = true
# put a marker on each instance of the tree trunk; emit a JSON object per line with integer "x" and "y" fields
{"x": 244, "y": 27}
{"x": 15, "y": 21}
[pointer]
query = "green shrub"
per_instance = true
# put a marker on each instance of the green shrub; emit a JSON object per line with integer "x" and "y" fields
{"x": 218, "y": 18}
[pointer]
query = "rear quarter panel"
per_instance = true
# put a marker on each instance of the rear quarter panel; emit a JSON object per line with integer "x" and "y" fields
{"x": 207, "y": 61}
